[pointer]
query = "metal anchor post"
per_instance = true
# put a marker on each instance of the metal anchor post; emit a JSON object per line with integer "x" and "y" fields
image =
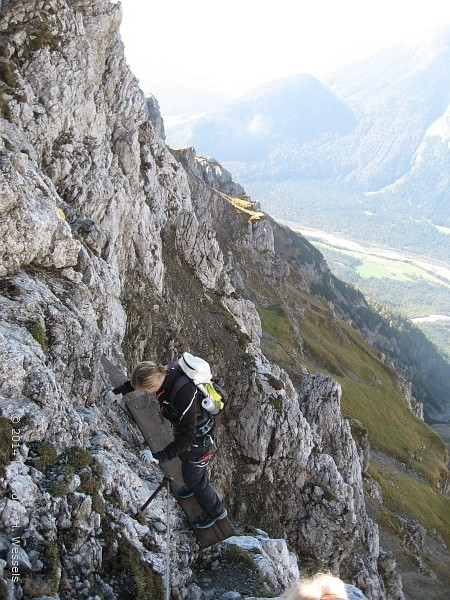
{"x": 164, "y": 483}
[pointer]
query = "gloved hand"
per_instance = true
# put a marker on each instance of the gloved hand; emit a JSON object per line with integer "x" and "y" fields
{"x": 147, "y": 456}
{"x": 107, "y": 394}
{"x": 124, "y": 389}
{"x": 160, "y": 456}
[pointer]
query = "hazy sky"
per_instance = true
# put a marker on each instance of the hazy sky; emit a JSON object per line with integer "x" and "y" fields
{"x": 241, "y": 43}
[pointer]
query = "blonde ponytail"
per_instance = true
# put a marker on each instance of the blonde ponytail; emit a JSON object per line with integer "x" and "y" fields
{"x": 146, "y": 374}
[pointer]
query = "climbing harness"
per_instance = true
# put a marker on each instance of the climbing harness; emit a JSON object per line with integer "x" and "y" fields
{"x": 204, "y": 460}
{"x": 205, "y": 428}
{"x": 165, "y": 483}
{"x": 208, "y": 441}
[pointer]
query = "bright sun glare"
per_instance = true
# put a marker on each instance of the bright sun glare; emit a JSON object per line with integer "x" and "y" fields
{"x": 240, "y": 44}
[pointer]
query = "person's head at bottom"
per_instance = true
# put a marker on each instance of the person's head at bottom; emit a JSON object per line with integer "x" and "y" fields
{"x": 321, "y": 586}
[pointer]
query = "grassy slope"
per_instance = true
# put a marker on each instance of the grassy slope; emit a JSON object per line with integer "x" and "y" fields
{"x": 371, "y": 396}
{"x": 408, "y": 497}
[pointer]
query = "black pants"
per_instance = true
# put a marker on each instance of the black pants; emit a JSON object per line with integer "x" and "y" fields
{"x": 197, "y": 480}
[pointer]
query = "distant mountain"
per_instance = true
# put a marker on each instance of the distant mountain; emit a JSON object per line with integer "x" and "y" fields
{"x": 366, "y": 153}
{"x": 299, "y": 108}
{"x": 397, "y": 94}
{"x": 427, "y": 177}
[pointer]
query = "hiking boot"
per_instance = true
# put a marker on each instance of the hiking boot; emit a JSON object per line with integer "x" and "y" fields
{"x": 205, "y": 520}
{"x": 184, "y": 493}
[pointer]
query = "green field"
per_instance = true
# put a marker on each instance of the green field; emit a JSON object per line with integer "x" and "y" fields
{"x": 379, "y": 267}
{"x": 398, "y": 283}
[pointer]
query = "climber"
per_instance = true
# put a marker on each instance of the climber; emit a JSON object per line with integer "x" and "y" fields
{"x": 193, "y": 433}
{"x": 321, "y": 586}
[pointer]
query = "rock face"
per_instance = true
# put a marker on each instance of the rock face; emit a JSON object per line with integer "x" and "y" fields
{"x": 111, "y": 244}
{"x": 154, "y": 116}
{"x": 214, "y": 175}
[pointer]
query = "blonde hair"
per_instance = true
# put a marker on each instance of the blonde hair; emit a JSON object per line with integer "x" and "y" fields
{"x": 146, "y": 374}
{"x": 322, "y": 586}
